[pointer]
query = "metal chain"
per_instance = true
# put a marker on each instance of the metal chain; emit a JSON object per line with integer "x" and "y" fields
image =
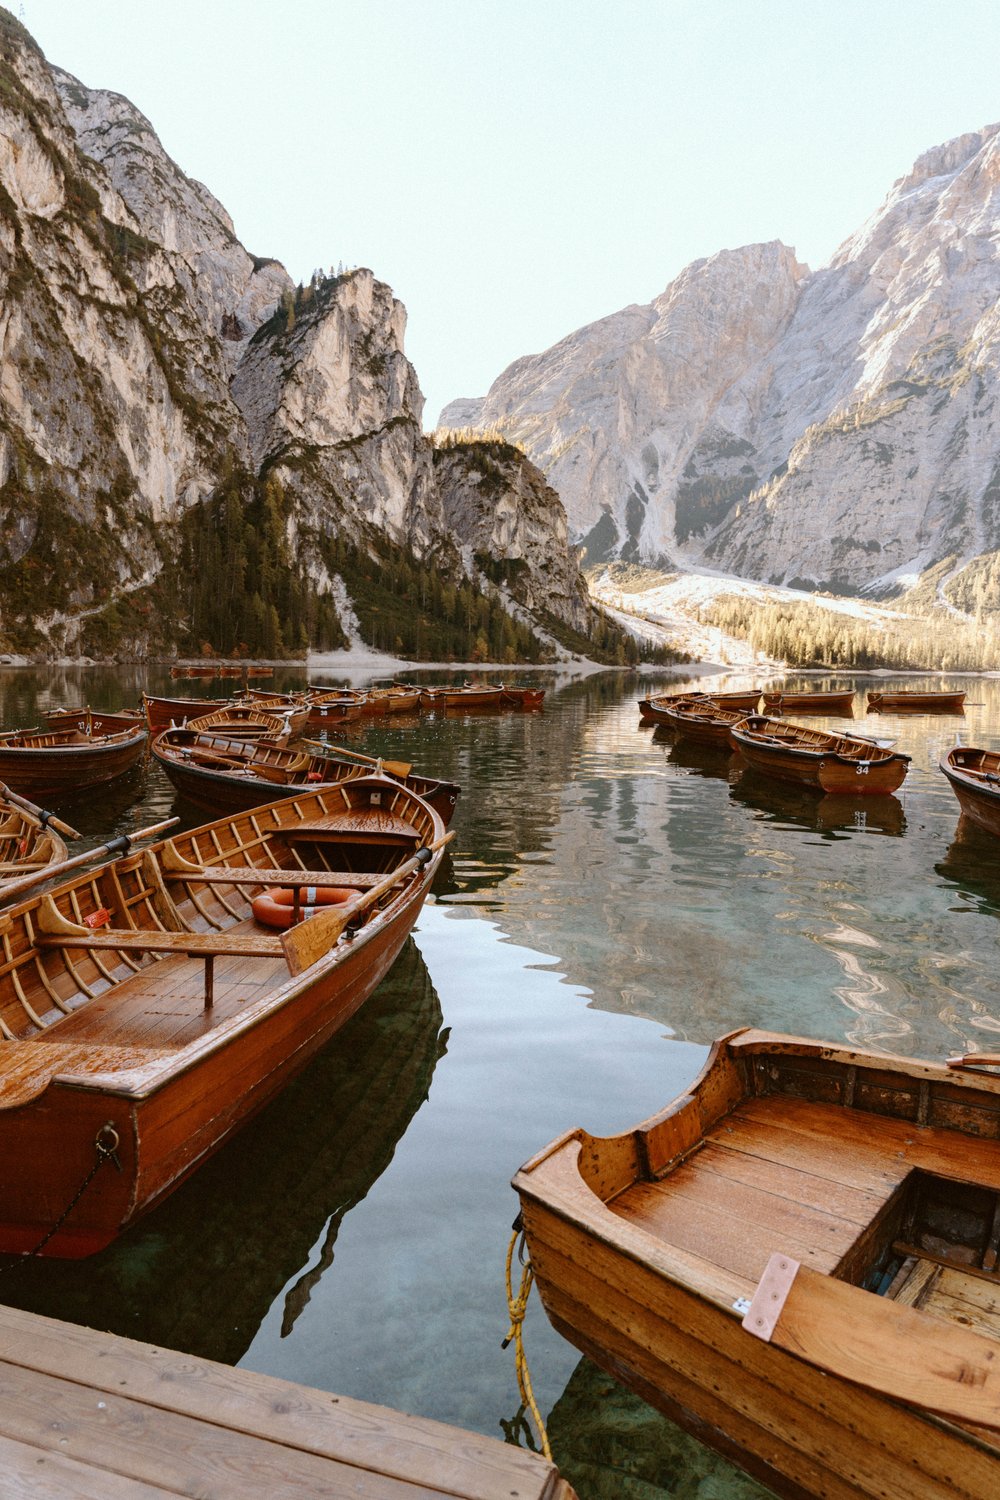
{"x": 105, "y": 1149}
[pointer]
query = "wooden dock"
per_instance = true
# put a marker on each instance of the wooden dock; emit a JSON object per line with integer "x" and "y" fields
{"x": 91, "y": 1416}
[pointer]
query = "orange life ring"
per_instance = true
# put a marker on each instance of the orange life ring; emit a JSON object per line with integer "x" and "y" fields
{"x": 276, "y": 907}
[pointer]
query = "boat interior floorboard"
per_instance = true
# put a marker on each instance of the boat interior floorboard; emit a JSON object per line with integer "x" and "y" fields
{"x": 806, "y": 1179}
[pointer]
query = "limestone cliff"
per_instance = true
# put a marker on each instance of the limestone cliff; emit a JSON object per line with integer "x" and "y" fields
{"x": 838, "y": 427}
{"x": 172, "y": 407}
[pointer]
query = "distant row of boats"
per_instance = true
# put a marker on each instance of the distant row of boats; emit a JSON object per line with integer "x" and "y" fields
{"x": 835, "y": 703}
{"x": 837, "y": 763}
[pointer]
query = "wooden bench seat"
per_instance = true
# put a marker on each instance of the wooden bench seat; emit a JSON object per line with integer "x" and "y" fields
{"x": 788, "y": 1175}
{"x": 27, "y": 1069}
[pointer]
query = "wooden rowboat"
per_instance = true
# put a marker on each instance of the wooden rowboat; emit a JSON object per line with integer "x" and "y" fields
{"x": 222, "y": 774}
{"x": 336, "y": 706}
{"x": 830, "y": 762}
{"x": 161, "y": 713}
{"x": 292, "y": 707}
{"x": 64, "y": 762}
{"x": 703, "y": 721}
{"x": 840, "y": 704}
{"x": 467, "y": 699}
{"x": 653, "y": 710}
{"x": 974, "y": 776}
{"x": 521, "y": 697}
{"x": 94, "y": 720}
{"x": 146, "y": 1012}
{"x": 243, "y": 721}
{"x": 903, "y": 701}
{"x": 797, "y": 1261}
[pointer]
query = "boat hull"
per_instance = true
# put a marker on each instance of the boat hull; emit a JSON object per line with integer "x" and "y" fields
{"x": 68, "y": 770}
{"x": 221, "y": 792}
{"x": 841, "y": 704}
{"x": 921, "y": 703}
{"x": 814, "y": 762}
{"x": 978, "y": 798}
{"x": 652, "y": 1281}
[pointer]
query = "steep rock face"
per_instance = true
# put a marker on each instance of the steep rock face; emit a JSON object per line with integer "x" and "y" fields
{"x": 498, "y": 503}
{"x": 232, "y": 290}
{"x": 150, "y": 363}
{"x": 835, "y": 427}
{"x": 332, "y": 403}
{"x": 614, "y": 413}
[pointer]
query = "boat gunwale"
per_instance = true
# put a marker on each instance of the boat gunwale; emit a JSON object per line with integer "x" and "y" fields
{"x": 145, "y": 1079}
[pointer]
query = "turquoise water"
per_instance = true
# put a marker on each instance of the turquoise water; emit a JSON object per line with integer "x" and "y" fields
{"x": 613, "y": 901}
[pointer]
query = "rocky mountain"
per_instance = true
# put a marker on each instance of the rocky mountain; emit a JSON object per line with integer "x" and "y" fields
{"x": 837, "y": 428}
{"x": 195, "y": 451}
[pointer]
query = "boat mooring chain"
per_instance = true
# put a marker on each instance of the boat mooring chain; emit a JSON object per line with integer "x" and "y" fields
{"x": 517, "y": 1307}
{"x": 106, "y": 1144}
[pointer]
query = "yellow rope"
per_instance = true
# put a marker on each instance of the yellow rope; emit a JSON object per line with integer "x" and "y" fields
{"x": 517, "y": 1306}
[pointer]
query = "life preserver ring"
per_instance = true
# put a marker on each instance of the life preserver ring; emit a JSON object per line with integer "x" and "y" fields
{"x": 276, "y": 907}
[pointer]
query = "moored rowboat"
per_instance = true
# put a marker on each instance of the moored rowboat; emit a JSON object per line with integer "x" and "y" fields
{"x": 94, "y": 720}
{"x": 830, "y": 762}
{"x": 146, "y": 1012}
{"x": 900, "y": 702}
{"x": 243, "y": 721}
{"x": 161, "y": 713}
{"x": 652, "y": 710}
{"x": 834, "y": 702}
{"x": 751, "y": 1261}
{"x": 223, "y": 774}
{"x": 703, "y": 722}
{"x": 974, "y": 776}
{"x": 63, "y": 762}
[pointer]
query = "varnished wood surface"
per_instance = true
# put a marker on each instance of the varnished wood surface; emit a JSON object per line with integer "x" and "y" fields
{"x": 974, "y": 777}
{"x": 175, "y": 1016}
{"x": 99, "y": 1417}
{"x": 831, "y": 762}
{"x": 643, "y": 1244}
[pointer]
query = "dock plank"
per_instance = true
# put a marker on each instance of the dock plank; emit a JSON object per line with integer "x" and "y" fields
{"x": 46, "y": 1475}
{"x": 368, "y": 1450}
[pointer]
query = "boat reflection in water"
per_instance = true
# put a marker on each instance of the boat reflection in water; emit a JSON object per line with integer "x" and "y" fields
{"x": 973, "y": 863}
{"x": 200, "y": 1273}
{"x": 608, "y": 1443}
{"x": 830, "y": 813}
{"x": 714, "y": 762}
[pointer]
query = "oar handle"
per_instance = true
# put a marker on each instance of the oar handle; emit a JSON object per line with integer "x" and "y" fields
{"x": 335, "y": 750}
{"x": 46, "y": 819}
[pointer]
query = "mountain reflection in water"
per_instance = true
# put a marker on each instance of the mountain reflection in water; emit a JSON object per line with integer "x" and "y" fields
{"x": 201, "y": 1271}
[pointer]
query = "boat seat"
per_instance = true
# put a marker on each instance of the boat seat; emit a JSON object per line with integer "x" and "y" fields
{"x": 28, "y": 1070}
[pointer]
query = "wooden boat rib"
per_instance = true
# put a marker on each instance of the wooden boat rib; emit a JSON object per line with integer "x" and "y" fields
{"x": 974, "y": 777}
{"x": 28, "y": 843}
{"x": 243, "y": 721}
{"x": 831, "y": 762}
{"x": 879, "y": 1177}
{"x": 230, "y": 775}
{"x": 62, "y": 762}
{"x": 703, "y": 721}
{"x": 944, "y": 703}
{"x": 145, "y": 1012}
{"x": 833, "y": 702}
{"x": 653, "y": 710}
{"x": 292, "y": 707}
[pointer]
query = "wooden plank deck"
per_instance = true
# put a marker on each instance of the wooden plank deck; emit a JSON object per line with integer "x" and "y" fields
{"x": 93, "y": 1416}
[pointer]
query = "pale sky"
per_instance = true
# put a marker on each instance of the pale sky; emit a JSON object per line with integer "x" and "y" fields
{"x": 517, "y": 168}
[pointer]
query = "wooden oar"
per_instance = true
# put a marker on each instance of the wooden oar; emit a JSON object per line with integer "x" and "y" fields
{"x": 317, "y": 936}
{"x": 35, "y": 811}
{"x": 331, "y": 752}
{"x": 881, "y": 1345}
{"x": 121, "y": 845}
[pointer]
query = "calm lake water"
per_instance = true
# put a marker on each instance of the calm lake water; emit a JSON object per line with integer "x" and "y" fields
{"x": 613, "y": 902}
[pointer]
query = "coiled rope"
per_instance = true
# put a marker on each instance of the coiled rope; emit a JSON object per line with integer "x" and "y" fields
{"x": 517, "y": 1306}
